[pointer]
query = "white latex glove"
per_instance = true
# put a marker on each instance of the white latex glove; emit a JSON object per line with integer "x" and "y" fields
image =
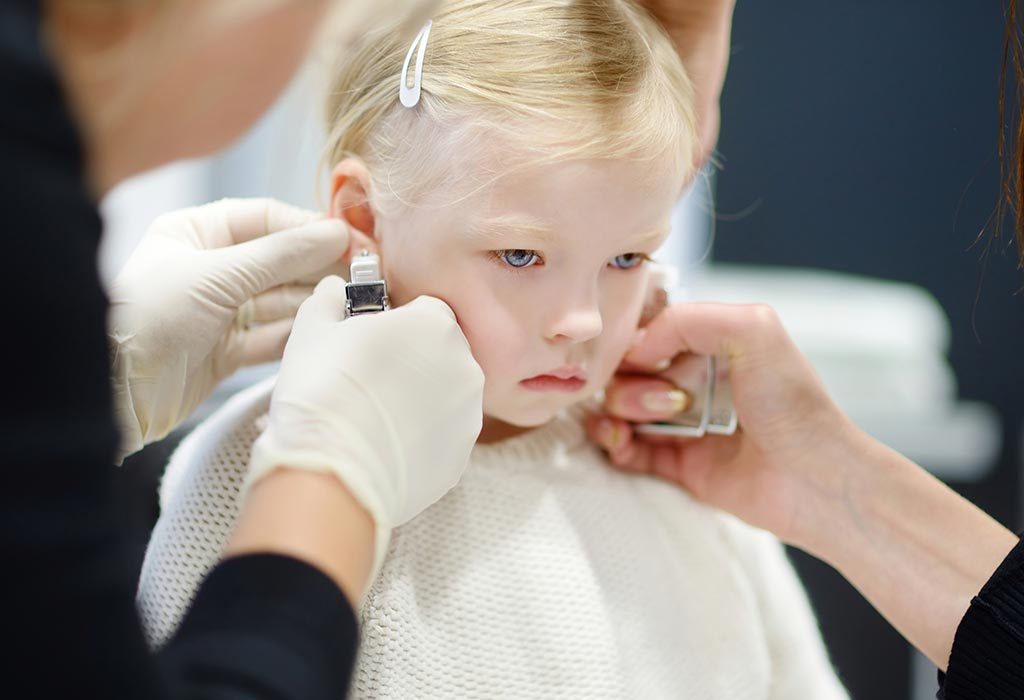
{"x": 391, "y": 403}
{"x": 172, "y": 327}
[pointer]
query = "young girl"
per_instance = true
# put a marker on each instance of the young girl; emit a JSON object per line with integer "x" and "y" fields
{"x": 526, "y": 186}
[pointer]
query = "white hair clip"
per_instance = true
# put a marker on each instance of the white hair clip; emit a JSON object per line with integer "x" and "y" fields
{"x": 410, "y": 94}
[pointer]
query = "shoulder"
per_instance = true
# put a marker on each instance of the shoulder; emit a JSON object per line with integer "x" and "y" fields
{"x": 683, "y": 515}
{"x": 746, "y": 541}
{"x": 224, "y": 438}
{"x": 199, "y": 501}
{"x": 675, "y": 506}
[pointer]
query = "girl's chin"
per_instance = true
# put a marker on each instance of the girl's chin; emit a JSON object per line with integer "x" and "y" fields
{"x": 523, "y": 417}
{"x": 526, "y": 409}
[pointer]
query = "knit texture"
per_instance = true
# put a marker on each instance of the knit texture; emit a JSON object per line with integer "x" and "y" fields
{"x": 543, "y": 574}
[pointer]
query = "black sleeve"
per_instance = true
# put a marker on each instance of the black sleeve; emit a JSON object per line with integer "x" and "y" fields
{"x": 987, "y": 661}
{"x": 262, "y": 626}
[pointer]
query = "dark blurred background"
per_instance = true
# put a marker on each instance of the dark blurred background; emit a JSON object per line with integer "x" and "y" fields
{"x": 861, "y": 137}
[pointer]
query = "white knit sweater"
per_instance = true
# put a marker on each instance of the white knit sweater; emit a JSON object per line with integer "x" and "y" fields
{"x": 543, "y": 574}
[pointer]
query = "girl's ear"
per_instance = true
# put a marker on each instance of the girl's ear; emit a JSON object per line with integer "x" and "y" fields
{"x": 350, "y": 202}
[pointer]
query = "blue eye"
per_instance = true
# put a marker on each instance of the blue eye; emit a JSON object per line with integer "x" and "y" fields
{"x": 519, "y": 258}
{"x": 628, "y": 261}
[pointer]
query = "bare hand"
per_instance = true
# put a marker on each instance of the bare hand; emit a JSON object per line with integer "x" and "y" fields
{"x": 701, "y": 31}
{"x": 786, "y": 454}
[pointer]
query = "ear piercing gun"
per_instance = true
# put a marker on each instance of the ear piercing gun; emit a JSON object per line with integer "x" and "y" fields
{"x": 711, "y": 410}
{"x": 367, "y": 291}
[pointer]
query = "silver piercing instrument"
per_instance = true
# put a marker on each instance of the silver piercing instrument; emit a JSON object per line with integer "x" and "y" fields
{"x": 711, "y": 410}
{"x": 366, "y": 292}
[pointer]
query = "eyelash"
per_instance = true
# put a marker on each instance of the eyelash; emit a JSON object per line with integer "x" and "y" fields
{"x": 640, "y": 259}
{"x": 501, "y": 256}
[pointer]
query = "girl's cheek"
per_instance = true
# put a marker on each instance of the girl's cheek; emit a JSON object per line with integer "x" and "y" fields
{"x": 477, "y": 325}
{"x": 622, "y": 318}
{"x": 618, "y": 339}
{"x": 625, "y": 300}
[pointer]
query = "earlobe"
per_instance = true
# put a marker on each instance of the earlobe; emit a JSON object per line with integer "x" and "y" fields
{"x": 350, "y": 202}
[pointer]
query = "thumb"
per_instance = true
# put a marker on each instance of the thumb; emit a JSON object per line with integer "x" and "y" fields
{"x": 326, "y": 305}
{"x": 275, "y": 259}
{"x": 694, "y": 469}
{"x": 704, "y": 329}
{"x": 707, "y": 468}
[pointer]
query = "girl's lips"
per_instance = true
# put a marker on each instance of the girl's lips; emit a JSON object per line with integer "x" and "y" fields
{"x": 566, "y": 372}
{"x": 549, "y": 382}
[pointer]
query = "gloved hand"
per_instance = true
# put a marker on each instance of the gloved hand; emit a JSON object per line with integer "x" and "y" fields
{"x": 172, "y": 327}
{"x": 391, "y": 403}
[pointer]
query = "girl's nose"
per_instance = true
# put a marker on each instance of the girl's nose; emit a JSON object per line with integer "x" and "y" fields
{"x": 577, "y": 322}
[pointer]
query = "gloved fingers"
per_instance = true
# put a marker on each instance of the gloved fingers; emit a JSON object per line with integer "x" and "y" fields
{"x": 327, "y": 303}
{"x": 279, "y": 303}
{"x": 248, "y": 269}
{"x": 265, "y": 343}
{"x": 312, "y": 279}
{"x": 249, "y": 219}
{"x": 230, "y": 221}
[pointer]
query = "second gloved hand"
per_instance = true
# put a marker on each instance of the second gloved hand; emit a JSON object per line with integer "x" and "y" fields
{"x": 391, "y": 403}
{"x": 173, "y": 330}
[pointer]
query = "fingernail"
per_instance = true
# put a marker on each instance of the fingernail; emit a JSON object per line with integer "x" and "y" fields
{"x": 674, "y": 401}
{"x": 610, "y": 433}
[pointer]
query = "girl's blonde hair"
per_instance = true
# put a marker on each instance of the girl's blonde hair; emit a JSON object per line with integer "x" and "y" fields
{"x": 554, "y": 79}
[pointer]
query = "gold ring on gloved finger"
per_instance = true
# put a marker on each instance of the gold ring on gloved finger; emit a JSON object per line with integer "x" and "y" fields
{"x": 245, "y": 315}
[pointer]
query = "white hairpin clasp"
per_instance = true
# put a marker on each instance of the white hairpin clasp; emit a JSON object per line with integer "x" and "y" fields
{"x": 410, "y": 94}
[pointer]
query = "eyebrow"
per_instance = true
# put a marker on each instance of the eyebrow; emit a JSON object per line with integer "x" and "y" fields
{"x": 661, "y": 232}
{"x": 514, "y": 229}
{"x": 503, "y": 228}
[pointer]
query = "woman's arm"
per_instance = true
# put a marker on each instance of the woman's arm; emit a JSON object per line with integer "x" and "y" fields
{"x": 800, "y": 468}
{"x": 299, "y": 516}
{"x": 264, "y": 601}
{"x": 316, "y": 446}
{"x": 917, "y": 550}
{"x": 340, "y": 542}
